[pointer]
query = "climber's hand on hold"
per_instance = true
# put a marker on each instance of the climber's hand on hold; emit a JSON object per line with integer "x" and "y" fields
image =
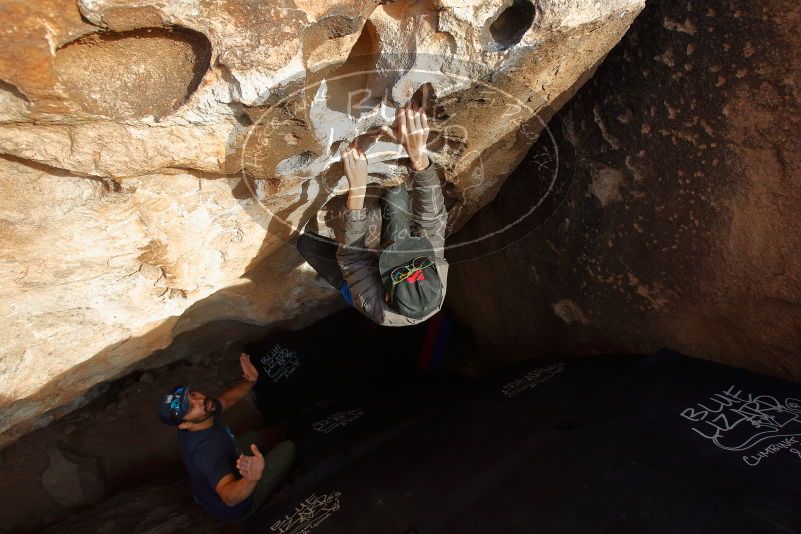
{"x": 355, "y": 163}
{"x": 411, "y": 131}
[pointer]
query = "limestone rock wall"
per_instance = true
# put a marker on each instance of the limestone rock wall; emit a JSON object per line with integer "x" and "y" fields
{"x": 156, "y": 159}
{"x": 676, "y": 219}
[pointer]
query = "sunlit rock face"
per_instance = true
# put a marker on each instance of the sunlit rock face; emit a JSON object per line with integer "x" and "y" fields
{"x": 678, "y": 217}
{"x": 158, "y": 158}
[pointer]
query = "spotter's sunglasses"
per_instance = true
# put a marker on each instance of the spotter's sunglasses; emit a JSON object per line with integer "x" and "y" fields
{"x": 178, "y": 398}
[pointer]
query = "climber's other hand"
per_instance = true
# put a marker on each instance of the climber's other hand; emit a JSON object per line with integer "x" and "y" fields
{"x": 411, "y": 129}
{"x": 355, "y": 163}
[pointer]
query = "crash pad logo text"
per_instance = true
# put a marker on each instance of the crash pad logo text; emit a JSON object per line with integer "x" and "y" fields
{"x": 737, "y": 421}
{"x": 280, "y": 363}
{"x": 532, "y": 379}
{"x": 337, "y": 420}
{"x": 308, "y": 514}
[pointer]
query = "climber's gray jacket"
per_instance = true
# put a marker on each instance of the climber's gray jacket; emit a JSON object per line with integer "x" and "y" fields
{"x": 360, "y": 266}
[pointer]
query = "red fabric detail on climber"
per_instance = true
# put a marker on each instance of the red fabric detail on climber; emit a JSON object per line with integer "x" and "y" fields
{"x": 434, "y": 327}
{"x": 414, "y": 277}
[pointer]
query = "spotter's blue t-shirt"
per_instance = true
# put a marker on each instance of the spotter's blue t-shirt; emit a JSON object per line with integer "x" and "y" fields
{"x": 209, "y": 455}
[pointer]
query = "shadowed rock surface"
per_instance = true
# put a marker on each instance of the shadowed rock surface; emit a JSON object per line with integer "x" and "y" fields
{"x": 677, "y": 217}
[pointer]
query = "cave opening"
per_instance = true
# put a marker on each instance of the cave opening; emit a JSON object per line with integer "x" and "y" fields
{"x": 509, "y": 27}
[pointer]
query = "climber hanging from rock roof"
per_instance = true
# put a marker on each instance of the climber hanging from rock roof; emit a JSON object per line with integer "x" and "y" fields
{"x": 405, "y": 282}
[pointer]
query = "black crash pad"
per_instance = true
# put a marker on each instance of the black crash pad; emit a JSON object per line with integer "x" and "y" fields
{"x": 669, "y": 444}
{"x": 346, "y": 356}
{"x": 331, "y": 381}
{"x": 686, "y": 446}
{"x": 434, "y": 427}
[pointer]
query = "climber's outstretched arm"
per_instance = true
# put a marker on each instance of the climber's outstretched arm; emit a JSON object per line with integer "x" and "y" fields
{"x": 429, "y": 216}
{"x": 359, "y": 266}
